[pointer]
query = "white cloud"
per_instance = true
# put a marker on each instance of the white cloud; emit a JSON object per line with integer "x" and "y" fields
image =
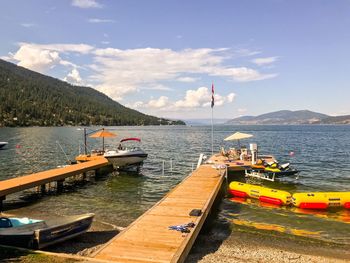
{"x": 44, "y": 57}
{"x": 197, "y": 98}
{"x": 36, "y": 59}
{"x": 98, "y": 20}
{"x": 264, "y": 61}
{"x": 118, "y": 73}
{"x": 187, "y": 79}
{"x": 127, "y": 70}
{"x": 73, "y": 77}
{"x": 194, "y": 98}
{"x": 158, "y": 87}
{"x": 86, "y": 4}
{"x": 78, "y": 48}
{"x": 28, "y": 25}
{"x": 230, "y": 97}
{"x": 241, "y": 74}
{"x": 161, "y": 102}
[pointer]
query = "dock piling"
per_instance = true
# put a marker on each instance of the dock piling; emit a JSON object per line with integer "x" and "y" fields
{"x": 59, "y": 185}
{"x": 2, "y": 198}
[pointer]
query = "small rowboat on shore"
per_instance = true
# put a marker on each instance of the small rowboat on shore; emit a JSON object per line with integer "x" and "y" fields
{"x": 37, "y": 234}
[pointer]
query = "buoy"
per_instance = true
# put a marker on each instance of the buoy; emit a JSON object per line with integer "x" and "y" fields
{"x": 321, "y": 200}
{"x": 264, "y": 194}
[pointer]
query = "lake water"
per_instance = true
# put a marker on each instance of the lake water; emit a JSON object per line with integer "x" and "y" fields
{"x": 320, "y": 152}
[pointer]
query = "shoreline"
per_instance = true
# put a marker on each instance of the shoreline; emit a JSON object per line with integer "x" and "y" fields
{"x": 244, "y": 244}
{"x": 222, "y": 242}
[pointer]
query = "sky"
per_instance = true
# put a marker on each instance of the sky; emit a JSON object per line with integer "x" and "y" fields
{"x": 162, "y": 57}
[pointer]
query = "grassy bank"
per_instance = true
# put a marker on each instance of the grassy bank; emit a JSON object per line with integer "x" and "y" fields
{"x": 8, "y": 254}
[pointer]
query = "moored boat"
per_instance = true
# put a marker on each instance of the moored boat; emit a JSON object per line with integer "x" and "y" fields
{"x": 3, "y": 144}
{"x": 126, "y": 156}
{"x": 37, "y": 234}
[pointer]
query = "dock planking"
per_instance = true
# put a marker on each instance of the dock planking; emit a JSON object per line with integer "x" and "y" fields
{"x": 236, "y": 164}
{"x": 148, "y": 238}
{"x": 21, "y": 183}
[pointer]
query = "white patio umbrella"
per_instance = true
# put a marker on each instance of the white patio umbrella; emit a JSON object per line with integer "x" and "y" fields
{"x": 238, "y": 136}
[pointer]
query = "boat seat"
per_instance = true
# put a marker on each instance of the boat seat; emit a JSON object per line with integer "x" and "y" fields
{"x": 5, "y": 222}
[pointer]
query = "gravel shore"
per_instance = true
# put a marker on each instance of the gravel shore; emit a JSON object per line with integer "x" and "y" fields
{"x": 245, "y": 245}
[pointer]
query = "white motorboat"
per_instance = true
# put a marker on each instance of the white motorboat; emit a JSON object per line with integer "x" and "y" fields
{"x": 125, "y": 157}
{"x": 3, "y": 144}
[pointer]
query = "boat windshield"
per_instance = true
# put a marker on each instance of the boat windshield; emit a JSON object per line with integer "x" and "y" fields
{"x": 23, "y": 221}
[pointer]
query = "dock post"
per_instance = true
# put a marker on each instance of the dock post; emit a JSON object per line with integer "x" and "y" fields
{"x": 163, "y": 164}
{"x": 43, "y": 189}
{"x": 59, "y": 186}
{"x": 2, "y": 198}
{"x": 84, "y": 176}
{"x": 171, "y": 165}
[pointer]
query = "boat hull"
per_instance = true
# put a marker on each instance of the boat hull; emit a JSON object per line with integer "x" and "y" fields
{"x": 43, "y": 236}
{"x": 3, "y": 144}
{"x": 49, "y": 236}
{"x": 120, "y": 161}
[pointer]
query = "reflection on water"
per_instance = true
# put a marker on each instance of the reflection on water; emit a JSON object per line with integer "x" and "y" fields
{"x": 321, "y": 153}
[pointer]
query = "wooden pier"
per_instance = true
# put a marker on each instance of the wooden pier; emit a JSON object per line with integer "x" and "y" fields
{"x": 149, "y": 239}
{"x": 235, "y": 164}
{"x": 58, "y": 175}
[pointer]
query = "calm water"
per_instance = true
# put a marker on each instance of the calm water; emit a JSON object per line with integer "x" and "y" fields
{"x": 321, "y": 153}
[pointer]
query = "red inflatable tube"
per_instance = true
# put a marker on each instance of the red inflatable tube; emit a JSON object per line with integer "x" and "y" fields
{"x": 314, "y": 205}
{"x": 238, "y": 193}
{"x": 347, "y": 205}
{"x": 270, "y": 200}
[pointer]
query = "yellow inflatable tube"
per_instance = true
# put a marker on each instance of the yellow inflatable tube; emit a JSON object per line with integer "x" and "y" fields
{"x": 321, "y": 200}
{"x": 264, "y": 194}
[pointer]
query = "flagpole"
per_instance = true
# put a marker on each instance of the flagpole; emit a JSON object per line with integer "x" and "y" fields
{"x": 212, "y": 113}
{"x": 212, "y": 131}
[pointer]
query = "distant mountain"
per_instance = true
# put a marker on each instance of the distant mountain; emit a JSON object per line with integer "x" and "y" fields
{"x": 204, "y": 121}
{"x": 345, "y": 119}
{"x": 283, "y": 117}
{"x": 28, "y": 98}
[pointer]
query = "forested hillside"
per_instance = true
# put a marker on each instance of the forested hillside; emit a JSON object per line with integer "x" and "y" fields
{"x": 28, "y": 98}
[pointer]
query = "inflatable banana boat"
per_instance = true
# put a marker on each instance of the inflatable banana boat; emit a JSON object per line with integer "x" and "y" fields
{"x": 321, "y": 200}
{"x": 264, "y": 194}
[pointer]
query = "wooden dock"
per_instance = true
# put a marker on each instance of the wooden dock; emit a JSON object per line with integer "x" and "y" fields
{"x": 21, "y": 183}
{"x": 235, "y": 164}
{"x": 149, "y": 239}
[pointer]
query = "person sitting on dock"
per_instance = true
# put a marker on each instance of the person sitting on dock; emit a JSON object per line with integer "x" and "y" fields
{"x": 223, "y": 152}
{"x": 244, "y": 154}
{"x": 232, "y": 154}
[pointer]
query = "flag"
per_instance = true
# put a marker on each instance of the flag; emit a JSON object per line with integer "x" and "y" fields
{"x": 212, "y": 95}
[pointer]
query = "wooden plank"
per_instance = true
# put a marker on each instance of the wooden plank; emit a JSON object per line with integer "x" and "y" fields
{"x": 28, "y": 181}
{"x": 149, "y": 239}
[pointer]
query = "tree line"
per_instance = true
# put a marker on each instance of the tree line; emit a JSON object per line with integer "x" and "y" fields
{"x": 28, "y": 98}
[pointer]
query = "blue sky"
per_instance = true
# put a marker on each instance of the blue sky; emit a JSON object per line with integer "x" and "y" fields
{"x": 161, "y": 57}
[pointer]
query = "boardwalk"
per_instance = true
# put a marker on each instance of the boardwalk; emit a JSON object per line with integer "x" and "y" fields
{"x": 21, "y": 183}
{"x": 148, "y": 239}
